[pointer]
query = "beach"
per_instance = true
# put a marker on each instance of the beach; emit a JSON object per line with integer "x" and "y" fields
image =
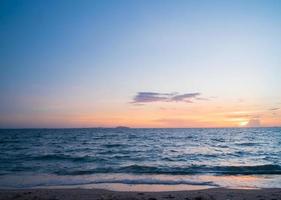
{"x": 99, "y": 194}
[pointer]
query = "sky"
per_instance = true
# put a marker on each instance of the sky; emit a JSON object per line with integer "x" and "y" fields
{"x": 143, "y": 63}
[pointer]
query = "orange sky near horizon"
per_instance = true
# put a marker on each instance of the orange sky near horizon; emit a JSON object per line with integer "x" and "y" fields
{"x": 205, "y": 113}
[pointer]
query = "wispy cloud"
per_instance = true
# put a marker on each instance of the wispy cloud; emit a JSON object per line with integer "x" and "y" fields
{"x": 242, "y": 115}
{"x": 145, "y": 97}
{"x": 238, "y": 116}
{"x": 185, "y": 97}
{"x": 148, "y": 97}
{"x": 274, "y": 109}
{"x": 255, "y": 122}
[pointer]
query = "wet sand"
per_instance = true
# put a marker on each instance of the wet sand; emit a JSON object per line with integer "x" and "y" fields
{"x": 100, "y": 194}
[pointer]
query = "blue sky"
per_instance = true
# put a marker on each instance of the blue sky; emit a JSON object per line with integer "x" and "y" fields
{"x": 64, "y": 60}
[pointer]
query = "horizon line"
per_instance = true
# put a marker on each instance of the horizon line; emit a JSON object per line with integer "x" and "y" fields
{"x": 125, "y": 127}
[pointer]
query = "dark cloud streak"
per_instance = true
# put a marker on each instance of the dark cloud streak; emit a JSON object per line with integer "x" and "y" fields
{"x": 148, "y": 97}
{"x": 273, "y": 109}
{"x": 185, "y": 97}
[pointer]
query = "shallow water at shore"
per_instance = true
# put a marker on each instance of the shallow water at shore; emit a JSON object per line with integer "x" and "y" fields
{"x": 129, "y": 182}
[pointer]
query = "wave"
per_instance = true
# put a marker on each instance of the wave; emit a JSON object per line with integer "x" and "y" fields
{"x": 113, "y": 145}
{"x": 150, "y": 181}
{"x": 40, "y": 180}
{"x": 249, "y": 170}
{"x": 249, "y": 144}
{"x": 193, "y": 169}
{"x": 50, "y": 157}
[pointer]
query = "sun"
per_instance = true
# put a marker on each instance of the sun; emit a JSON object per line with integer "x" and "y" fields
{"x": 243, "y": 123}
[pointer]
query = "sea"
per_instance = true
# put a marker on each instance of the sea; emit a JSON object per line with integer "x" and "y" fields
{"x": 128, "y": 159}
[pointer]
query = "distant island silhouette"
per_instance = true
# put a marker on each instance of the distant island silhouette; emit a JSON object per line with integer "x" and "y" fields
{"x": 122, "y": 127}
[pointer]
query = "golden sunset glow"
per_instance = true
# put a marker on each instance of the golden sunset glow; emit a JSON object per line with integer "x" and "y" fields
{"x": 243, "y": 123}
{"x": 211, "y": 113}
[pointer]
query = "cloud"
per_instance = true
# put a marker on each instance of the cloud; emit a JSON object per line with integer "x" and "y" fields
{"x": 274, "y": 109}
{"x": 148, "y": 97}
{"x": 254, "y": 123}
{"x": 185, "y": 97}
{"x": 145, "y": 97}
{"x": 238, "y": 116}
{"x": 242, "y": 115}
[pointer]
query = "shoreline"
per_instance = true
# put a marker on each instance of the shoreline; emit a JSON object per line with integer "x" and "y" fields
{"x": 141, "y": 183}
{"x": 102, "y": 194}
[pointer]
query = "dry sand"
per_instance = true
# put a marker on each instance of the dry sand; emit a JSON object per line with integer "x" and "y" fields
{"x": 99, "y": 194}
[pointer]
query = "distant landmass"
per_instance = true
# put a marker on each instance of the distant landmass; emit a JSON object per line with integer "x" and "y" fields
{"x": 122, "y": 127}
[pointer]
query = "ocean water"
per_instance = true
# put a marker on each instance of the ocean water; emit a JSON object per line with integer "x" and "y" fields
{"x": 141, "y": 159}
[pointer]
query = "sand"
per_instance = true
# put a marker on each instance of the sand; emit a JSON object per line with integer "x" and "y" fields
{"x": 100, "y": 194}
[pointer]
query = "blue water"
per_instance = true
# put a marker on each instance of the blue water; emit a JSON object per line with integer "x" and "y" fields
{"x": 142, "y": 156}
